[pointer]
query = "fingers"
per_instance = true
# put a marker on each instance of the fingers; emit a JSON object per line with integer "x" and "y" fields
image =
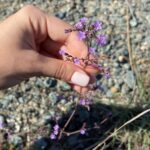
{"x": 60, "y": 69}
{"x": 46, "y": 27}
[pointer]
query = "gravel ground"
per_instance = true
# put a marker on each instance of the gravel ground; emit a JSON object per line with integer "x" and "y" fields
{"x": 26, "y": 107}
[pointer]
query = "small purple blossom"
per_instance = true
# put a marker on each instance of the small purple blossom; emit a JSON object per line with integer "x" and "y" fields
{"x": 81, "y": 35}
{"x": 83, "y": 20}
{"x": 56, "y": 127}
{"x": 85, "y": 102}
{"x": 56, "y": 132}
{"x": 107, "y": 75}
{"x": 92, "y": 50}
{"x": 62, "y": 52}
{"x": 52, "y": 136}
{"x": 102, "y": 39}
{"x": 82, "y": 102}
{"x": 77, "y": 61}
{"x": 97, "y": 25}
{"x": 79, "y": 26}
{"x": 88, "y": 101}
{"x": 82, "y": 131}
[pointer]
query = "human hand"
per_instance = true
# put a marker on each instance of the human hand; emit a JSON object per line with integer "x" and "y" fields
{"x": 30, "y": 42}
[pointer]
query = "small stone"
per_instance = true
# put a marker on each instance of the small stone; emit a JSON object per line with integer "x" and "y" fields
{"x": 122, "y": 59}
{"x": 133, "y": 23}
{"x": 148, "y": 17}
{"x": 114, "y": 90}
{"x": 51, "y": 83}
{"x": 109, "y": 94}
{"x": 125, "y": 89}
{"x": 16, "y": 140}
{"x": 116, "y": 65}
{"x": 20, "y": 99}
{"x": 125, "y": 52}
{"x": 53, "y": 97}
{"x": 64, "y": 86}
{"x": 126, "y": 66}
{"x": 63, "y": 101}
{"x": 129, "y": 79}
{"x": 122, "y": 11}
{"x": 17, "y": 127}
{"x": 110, "y": 82}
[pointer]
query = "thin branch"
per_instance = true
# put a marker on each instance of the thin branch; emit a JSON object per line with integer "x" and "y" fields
{"x": 125, "y": 124}
{"x": 68, "y": 121}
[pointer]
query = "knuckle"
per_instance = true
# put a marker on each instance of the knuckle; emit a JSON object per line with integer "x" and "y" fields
{"x": 60, "y": 73}
{"x": 63, "y": 71}
{"x": 28, "y": 8}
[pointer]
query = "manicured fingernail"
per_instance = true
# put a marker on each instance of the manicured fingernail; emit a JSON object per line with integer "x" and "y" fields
{"x": 81, "y": 79}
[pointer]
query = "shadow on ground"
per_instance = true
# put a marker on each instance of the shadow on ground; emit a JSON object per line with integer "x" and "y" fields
{"x": 106, "y": 117}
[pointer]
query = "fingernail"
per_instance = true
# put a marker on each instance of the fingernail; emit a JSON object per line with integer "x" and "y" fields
{"x": 80, "y": 79}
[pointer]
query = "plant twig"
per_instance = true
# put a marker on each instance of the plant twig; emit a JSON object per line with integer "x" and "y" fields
{"x": 112, "y": 134}
{"x": 68, "y": 121}
{"x": 129, "y": 41}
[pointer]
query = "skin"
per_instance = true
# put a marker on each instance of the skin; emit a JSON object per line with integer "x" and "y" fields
{"x": 30, "y": 41}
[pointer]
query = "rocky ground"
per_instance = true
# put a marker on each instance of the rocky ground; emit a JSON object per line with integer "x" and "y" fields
{"x": 32, "y": 105}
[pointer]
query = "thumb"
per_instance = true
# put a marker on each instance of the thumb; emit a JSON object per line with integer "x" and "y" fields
{"x": 63, "y": 70}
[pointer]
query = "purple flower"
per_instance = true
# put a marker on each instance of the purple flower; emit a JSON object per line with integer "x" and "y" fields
{"x": 82, "y": 131}
{"x": 56, "y": 132}
{"x": 83, "y": 20}
{"x": 56, "y": 127}
{"x": 82, "y": 102}
{"x": 107, "y": 75}
{"x": 88, "y": 102}
{"x": 81, "y": 35}
{"x": 91, "y": 50}
{"x": 79, "y": 25}
{"x": 76, "y": 61}
{"x": 52, "y": 136}
{"x": 102, "y": 39}
{"x": 62, "y": 52}
{"x": 97, "y": 25}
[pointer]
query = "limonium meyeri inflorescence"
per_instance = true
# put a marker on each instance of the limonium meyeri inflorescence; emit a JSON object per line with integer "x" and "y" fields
{"x": 88, "y": 32}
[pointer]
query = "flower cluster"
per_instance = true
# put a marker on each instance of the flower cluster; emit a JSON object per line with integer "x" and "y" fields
{"x": 88, "y": 31}
{"x": 55, "y": 132}
{"x": 85, "y": 102}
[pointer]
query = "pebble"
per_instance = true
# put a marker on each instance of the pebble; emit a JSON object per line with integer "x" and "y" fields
{"x": 114, "y": 90}
{"x": 64, "y": 86}
{"x": 125, "y": 89}
{"x": 53, "y": 97}
{"x": 109, "y": 94}
{"x": 133, "y": 22}
{"x": 16, "y": 140}
{"x": 122, "y": 59}
{"x": 126, "y": 66}
{"x": 129, "y": 79}
{"x": 51, "y": 83}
